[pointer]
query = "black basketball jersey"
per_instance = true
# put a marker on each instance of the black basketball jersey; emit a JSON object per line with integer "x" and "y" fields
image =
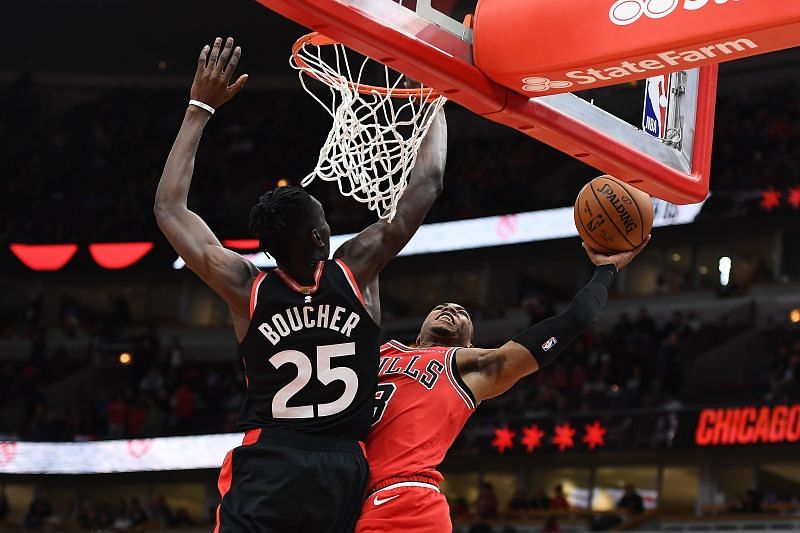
{"x": 310, "y": 355}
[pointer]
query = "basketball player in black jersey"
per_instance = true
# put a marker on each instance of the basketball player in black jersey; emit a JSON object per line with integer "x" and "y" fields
{"x": 308, "y": 331}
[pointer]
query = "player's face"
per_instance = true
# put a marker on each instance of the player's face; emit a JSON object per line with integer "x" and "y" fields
{"x": 449, "y": 322}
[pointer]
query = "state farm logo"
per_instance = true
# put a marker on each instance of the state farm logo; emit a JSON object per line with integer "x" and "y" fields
{"x": 669, "y": 59}
{"x": 625, "y": 12}
{"x": 536, "y": 84}
{"x": 8, "y": 451}
{"x": 139, "y": 447}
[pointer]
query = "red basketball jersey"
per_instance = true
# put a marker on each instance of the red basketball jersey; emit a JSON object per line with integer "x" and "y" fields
{"x": 421, "y": 406}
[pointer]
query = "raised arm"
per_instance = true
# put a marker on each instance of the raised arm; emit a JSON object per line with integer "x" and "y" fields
{"x": 490, "y": 373}
{"x": 228, "y": 273}
{"x": 371, "y": 250}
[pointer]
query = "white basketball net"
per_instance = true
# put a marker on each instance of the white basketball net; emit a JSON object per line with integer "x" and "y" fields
{"x": 372, "y": 146}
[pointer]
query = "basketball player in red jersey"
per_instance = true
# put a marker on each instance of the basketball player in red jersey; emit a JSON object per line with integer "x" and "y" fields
{"x": 427, "y": 393}
{"x": 308, "y": 332}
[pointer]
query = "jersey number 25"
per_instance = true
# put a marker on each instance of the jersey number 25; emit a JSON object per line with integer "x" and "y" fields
{"x": 325, "y": 374}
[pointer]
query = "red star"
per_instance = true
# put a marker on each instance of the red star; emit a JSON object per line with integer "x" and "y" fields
{"x": 770, "y": 199}
{"x": 532, "y": 437}
{"x": 594, "y": 435}
{"x": 503, "y": 439}
{"x": 564, "y": 436}
{"x": 794, "y": 197}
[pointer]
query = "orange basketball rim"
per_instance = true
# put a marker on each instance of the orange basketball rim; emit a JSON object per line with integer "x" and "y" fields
{"x": 317, "y": 40}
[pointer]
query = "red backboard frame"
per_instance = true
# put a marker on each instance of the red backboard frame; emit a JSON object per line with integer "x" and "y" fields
{"x": 400, "y": 38}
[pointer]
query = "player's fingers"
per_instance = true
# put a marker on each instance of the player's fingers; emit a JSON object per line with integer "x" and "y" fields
{"x": 231, "y": 68}
{"x": 237, "y": 85}
{"x": 642, "y": 245}
{"x": 215, "y": 51}
{"x": 596, "y": 258}
{"x": 226, "y": 53}
{"x": 202, "y": 61}
{"x": 589, "y": 250}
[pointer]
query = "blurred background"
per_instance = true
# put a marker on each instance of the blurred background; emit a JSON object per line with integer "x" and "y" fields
{"x": 681, "y": 409}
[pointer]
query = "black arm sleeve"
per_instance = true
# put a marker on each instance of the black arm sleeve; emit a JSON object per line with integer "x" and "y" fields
{"x": 548, "y": 338}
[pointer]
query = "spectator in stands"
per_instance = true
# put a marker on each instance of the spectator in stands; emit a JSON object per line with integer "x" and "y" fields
{"x": 4, "y": 507}
{"x": 559, "y": 500}
{"x": 135, "y": 417}
{"x": 103, "y": 518}
{"x": 645, "y": 324}
{"x": 480, "y": 527}
{"x": 136, "y": 512}
{"x": 183, "y": 408}
{"x": 674, "y": 326}
{"x": 631, "y": 502}
{"x": 182, "y": 518}
{"x": 539, "y": 500}
{"x": 550, "y": 525}
{"x": 155, "y": 418}
{"x": 153, "y": 381}
{"x": 86, "y": 515}
{"x": 175, "y": 353}
{"x": 788, "y": 382}
{"x": 39, "y": 512}
{"x": 117, "y": 414}
{"x": 486, "y": 503}
{"x": 738, "y": 505}
{"x": 122, "y": 519}
{"x": 459, "y": 510}
{"x": 752, "y": 501}
{"x": 518, "y": 504}
{"x": 160, "y": 511}
{"x": 621, "y": 329}
{"x": 669, "y": 364}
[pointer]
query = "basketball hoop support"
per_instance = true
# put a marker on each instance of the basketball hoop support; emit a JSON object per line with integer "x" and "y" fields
{"x": 394, "y": 35}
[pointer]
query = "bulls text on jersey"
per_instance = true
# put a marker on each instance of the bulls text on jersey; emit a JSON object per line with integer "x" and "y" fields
{"x": 427, "y": 377}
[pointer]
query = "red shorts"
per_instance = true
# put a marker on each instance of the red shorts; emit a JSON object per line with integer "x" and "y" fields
{"x": 410, "y": 507}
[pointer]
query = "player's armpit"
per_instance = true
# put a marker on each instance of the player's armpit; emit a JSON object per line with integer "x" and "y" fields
{"x": 226, "y": 272}
{"x": 371, "y": 250}
{"x": 490, "y": 373}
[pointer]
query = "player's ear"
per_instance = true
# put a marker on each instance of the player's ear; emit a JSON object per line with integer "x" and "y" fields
{"x": 317, "y": 238}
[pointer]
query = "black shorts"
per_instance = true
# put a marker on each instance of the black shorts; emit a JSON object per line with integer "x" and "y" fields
{"x": 283, "y": 481}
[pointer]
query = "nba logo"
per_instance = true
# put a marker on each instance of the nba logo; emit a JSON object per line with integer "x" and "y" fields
{"x": 656, "y": 103}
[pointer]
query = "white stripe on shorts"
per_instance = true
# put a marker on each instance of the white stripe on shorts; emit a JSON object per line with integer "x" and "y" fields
{"x": 408, "y": 484}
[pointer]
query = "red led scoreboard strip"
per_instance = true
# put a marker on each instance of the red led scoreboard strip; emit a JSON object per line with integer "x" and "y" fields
{"x": 748, "y": 425}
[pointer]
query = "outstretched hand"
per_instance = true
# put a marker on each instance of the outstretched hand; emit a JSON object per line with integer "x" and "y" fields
{"x": 619, "y": 260}
{"x": 214, "y": 72}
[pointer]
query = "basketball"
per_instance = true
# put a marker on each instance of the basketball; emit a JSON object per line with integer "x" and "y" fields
{"x": 612, "y": 216}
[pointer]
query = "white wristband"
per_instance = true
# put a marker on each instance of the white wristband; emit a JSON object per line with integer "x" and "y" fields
{"x": 201, "y": 105}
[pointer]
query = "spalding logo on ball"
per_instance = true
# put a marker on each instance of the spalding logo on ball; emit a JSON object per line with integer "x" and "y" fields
{"x": 613, "y": 216}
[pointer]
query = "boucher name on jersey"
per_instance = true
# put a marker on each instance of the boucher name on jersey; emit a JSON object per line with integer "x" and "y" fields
{"x": 296, "y": 319}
